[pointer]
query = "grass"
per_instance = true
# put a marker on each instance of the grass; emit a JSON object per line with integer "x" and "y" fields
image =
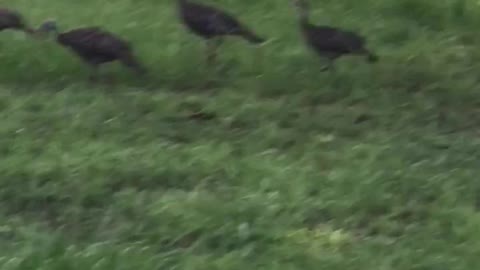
{"x": 370, "y": 167}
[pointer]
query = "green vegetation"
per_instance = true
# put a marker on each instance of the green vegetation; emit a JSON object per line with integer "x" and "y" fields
{"x": 369, "y": 167}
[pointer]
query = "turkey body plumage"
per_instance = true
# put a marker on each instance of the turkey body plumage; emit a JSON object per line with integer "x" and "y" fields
{"x": 97, "y": 47}
{"x": 334, "y": 42}
{"x": 211, "y": 24}
{"x": 330, "y": 42}
{"x": 10, "y": 19}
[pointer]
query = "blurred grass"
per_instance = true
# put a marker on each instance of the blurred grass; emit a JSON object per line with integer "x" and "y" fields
{"x": 372, "y": 166}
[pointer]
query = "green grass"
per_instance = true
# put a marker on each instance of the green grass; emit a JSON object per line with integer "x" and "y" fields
{"x": 286, "y": 177}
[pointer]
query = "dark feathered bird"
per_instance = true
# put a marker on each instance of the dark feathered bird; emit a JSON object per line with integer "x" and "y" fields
{"x": 330, "y": 42}
{"x": 210, "y": 23}
{"x": 95, "y": 46}
{"x": 10, "y": 19}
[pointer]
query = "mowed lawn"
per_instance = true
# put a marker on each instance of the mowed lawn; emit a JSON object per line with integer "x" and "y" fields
{"x": 368, "y": 167}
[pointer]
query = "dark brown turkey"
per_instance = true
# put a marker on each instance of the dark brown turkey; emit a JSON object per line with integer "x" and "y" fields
{"x": 10, "y": 19}
{"x": 95, "y": 46}
{"x": 211, "y": 23}
{"x": 330, "y": 42}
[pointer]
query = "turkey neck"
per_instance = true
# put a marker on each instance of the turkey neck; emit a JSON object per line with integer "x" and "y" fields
{"x": 304, "y": 17}
{"x": 61, "y": 38}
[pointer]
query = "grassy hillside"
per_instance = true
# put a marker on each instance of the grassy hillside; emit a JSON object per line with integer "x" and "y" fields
{"x": 369, "y": 167}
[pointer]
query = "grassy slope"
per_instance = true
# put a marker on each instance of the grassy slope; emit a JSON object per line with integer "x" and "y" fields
{"x": 116, "y": 178}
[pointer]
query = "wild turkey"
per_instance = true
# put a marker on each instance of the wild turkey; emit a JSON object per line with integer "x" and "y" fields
{"x": 330, "y": 42}
{"x": 211, "y": 23}
{"x": 10, "y": 19}
{"x": 95, "y": 46}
